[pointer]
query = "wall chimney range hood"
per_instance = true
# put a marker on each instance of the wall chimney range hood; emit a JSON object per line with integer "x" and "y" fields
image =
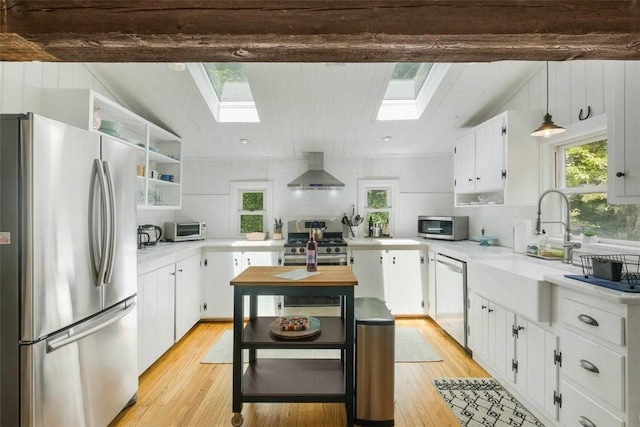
{"x": 316, "y": 178}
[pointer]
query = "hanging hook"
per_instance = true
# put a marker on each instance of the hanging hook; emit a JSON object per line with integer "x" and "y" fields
{"x": 588, "y": 114}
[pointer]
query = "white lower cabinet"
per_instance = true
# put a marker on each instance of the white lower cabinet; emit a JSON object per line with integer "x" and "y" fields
{"x": 431, "y": 284}
{"x": 369, "y": 268}
{"x": 518, "y": 352}
{"x": 156, "y": 311}
{"x": 600, "y": 376}
{"x": 397, "y": 276}
{"x": 188, "y": 294}
{"x": 220, "y": 268}
{"x": 168, "y": 306}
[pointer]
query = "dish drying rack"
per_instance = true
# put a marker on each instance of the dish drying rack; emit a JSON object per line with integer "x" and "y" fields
{"x": 624, "y": 268}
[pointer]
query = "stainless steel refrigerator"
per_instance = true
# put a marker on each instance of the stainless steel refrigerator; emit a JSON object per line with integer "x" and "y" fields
{"x": 68, "y": 349}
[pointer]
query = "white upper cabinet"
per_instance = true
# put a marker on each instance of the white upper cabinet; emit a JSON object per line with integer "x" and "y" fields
{"x": 159, "y": 167}
{"x": 497, "y": 162}
{"x": 623, "y": 128}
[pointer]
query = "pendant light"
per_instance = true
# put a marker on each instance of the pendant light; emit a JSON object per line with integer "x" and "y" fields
{"x": 547, "y": 128}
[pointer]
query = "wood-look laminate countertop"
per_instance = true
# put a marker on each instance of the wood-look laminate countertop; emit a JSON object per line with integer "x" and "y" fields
{"x": 265, "y": 276}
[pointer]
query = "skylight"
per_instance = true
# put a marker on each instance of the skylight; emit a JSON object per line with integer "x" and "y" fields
{"x": 234, "y": 101}
{"x": 410, "y": 89}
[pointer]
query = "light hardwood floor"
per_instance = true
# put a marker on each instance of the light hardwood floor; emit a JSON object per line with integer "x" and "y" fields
{"x": 178, "y": 390}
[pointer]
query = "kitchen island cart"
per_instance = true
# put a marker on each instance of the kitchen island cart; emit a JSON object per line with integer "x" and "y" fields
{"x": 286, "y": 379}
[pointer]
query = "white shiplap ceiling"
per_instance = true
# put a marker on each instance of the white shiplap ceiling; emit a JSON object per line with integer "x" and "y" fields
{"x": 307, "y": 107}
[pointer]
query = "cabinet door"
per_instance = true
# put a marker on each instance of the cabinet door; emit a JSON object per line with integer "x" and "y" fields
{"x": 188, "y": 298}
{"x": 266, "y": 303}
{"x": 220, "y": 268}
{"x": 431, "y": 285}
{"x": 369, "y": 268}
{"x": 490, "y": 155}
{"x": 165, "y": 301}
{"x": 405, "y": 281}
{"x": 500, "y": 337}
{"x": 478, "y": 329}
{"x": 464, "y": 159}
{"x": 623, "y": 128}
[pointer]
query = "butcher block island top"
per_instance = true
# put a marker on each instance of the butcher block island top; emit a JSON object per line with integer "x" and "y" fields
{"x": 329, "y": 275}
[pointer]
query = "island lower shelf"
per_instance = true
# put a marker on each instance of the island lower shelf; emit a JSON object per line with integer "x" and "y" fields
{"x": 294, "y": 380}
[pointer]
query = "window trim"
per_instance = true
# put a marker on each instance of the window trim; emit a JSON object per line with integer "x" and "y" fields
{"x": 236, "y": 188}
{"x": 370, "y": 184}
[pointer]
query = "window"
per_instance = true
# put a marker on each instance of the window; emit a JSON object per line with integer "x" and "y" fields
{"x": 226, "y": 91}
{"x": 581, "y": 173}
{"x": 377, "y": 202}
{"x": 410, "y": 89}
{"x": 251, "y": 207}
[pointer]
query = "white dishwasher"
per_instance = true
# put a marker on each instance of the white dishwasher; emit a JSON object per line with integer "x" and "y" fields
{"x": 451, "y": 294}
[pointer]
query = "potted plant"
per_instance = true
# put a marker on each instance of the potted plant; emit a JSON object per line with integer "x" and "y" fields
{"x": 588, "y": 236}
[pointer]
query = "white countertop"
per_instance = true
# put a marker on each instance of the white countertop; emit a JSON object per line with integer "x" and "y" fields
{"x": 153, "y": 257}
{"x": 595, "y": 290}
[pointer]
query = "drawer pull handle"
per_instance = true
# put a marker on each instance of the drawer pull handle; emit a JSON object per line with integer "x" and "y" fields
{"x": 585, "y": 364}
{"x": 585, "y": 318}
{"x": 585, "y": 422}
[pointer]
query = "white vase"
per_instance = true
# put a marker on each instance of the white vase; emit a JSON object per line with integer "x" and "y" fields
{"x": 589, "y": 239}
{"x": 97, "y": 119}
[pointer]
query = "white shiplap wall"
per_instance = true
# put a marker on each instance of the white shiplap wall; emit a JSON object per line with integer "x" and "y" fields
{"x": 573, "y": 86}
{"x": 425, "y": 188}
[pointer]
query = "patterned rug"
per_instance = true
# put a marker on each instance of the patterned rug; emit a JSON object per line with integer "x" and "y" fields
{"x": 483, "y": 402}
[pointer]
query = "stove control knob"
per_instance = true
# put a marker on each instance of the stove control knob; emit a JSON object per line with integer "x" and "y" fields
{"x": 337, "y": 250}
{"x": 301, "y": 250}
{"x": 328, "y": 250}
{"x": 293, "y": 250}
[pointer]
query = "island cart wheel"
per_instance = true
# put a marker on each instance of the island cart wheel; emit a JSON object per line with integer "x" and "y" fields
{"x": 237, "y": 420}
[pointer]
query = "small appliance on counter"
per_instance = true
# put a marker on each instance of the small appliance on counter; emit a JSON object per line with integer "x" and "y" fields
{"x": 148, "y": 235}
{"x": 184, "y": 231}
{"x": 443, "y": 227}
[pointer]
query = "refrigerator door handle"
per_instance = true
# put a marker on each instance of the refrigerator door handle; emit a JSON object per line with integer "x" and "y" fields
{"x": 111, "y": 231}
{"x": 90, "y": 327}
{"x": 99, "y": 259}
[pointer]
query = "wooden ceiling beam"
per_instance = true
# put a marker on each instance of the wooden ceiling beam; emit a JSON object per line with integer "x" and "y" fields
{"x": 317, "y": 30}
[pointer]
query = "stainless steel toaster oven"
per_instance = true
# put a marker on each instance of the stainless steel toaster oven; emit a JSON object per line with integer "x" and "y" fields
{"x": 183, "y": 231}
{"x": 443, "y": 227}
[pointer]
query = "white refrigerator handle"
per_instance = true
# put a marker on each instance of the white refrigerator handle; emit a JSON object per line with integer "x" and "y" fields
{"x": 99, "y": 260}
{"x": 111, "y": 255}
{"x": 89, "y": 327}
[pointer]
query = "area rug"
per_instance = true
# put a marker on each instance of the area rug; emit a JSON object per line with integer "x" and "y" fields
{"x": 483, "y": 402}
{"x": 410, "y": 347}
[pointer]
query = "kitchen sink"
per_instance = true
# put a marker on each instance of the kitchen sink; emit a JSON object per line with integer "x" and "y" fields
{"x": 516, "y": 283}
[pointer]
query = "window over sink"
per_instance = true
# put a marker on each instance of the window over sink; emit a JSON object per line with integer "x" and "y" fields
{"x": 581, "y": 173}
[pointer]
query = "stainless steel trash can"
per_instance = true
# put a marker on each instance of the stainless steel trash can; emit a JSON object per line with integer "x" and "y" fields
{"x": 375, "y": 363}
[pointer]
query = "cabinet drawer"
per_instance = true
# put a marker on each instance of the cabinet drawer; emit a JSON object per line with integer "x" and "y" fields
{"x": 602, "y": 324}
{"x": 597, "y": 369}
{"x": 579, "y": 410}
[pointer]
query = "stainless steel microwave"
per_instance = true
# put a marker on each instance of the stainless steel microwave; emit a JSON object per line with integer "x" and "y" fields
{"x": 443, "y": 227}
{"x": 183, "y": 231}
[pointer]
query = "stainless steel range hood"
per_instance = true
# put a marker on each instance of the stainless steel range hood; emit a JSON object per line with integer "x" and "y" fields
{"x": 316, "y": 178}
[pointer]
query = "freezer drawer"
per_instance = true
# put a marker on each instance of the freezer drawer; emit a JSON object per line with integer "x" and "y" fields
{"x": 82, "y": 376}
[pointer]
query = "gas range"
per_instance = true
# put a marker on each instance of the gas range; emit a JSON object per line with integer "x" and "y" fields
{"x": 332, "y": 248}
{"x": 297, "y": 244}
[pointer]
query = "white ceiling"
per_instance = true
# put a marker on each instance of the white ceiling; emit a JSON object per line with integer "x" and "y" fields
{"x": 314, "y": 107}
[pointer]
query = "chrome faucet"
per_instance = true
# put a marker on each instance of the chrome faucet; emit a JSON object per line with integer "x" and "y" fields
{"x": 567, "y": 246}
